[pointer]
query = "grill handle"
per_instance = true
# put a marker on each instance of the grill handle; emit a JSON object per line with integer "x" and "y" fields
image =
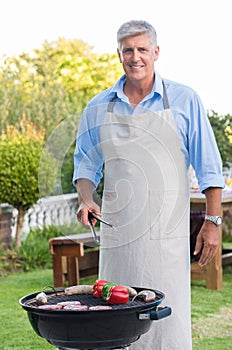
{"x": 156, "y": 314}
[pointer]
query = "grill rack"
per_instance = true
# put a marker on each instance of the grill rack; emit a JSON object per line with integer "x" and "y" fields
{"x": 86, "y": 299}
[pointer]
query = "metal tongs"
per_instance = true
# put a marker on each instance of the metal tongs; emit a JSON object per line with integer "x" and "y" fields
{"x": 92, "y": 216}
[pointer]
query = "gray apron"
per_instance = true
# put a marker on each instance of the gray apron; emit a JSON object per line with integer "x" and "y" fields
{"x": 146, "y": 197}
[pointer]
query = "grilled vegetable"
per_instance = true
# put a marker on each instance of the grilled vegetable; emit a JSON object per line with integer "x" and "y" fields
{"x": 80, "y": 289}
{"x": 146, "y": 295}
{"x": 106, "y": 289}
{"x": 97, "y": 288}
{"x": 41, "y": 298}
{"x": 114, "y": 294}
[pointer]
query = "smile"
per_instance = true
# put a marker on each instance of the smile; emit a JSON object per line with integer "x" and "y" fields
{"x": 136, "y": 67}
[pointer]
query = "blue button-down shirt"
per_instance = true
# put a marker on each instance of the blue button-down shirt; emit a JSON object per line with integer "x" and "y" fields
{"x": 196, "y": 136}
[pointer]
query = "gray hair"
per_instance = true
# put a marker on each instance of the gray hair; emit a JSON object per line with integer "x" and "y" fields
{"x": 136, "y": 27}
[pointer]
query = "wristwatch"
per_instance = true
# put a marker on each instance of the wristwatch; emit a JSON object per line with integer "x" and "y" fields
{"x": 217, "y": 220}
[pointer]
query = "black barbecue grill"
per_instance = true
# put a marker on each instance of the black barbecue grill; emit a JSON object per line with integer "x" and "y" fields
{"x": 114, "y": 328}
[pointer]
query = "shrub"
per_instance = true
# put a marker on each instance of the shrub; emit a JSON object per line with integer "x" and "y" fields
{"x": 34, "y": 251}
{"x": 9, "y": 260}
{"x": 20, "y": 158}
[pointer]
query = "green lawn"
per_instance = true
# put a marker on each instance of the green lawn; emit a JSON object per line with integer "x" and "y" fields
{"x": 212, "y": 315}
{"x": 211, "y": 312}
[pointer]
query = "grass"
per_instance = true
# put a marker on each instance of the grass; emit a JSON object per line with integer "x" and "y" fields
{"x": 211, "y": 312}
{"x": 212, "y": 315}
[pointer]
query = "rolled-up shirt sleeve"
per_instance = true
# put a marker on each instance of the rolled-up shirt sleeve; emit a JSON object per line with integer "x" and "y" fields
{"x": 88, "y": 159}
{"x": 203, "y": 150}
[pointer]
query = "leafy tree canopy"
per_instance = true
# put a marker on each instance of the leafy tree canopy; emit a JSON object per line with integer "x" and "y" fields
{"x": 222, "y": 127}
{"x": 53, "y": 82}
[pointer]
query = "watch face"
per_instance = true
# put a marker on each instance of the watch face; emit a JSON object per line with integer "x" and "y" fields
{"x": 219, "y": 220}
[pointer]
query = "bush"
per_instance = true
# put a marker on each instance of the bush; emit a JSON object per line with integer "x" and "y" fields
{"x": 34, "y": 251}
{"x": 20, "y": 150}
{"x": 9, "y": 260}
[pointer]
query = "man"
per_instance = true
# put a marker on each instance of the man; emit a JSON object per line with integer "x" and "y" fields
{"x": 147, "y": 130}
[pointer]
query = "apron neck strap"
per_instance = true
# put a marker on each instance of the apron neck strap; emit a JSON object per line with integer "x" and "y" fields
{"x": 113, "y": 100}
{"x": 165, "y": 97}
{"x": 111, "y": 104}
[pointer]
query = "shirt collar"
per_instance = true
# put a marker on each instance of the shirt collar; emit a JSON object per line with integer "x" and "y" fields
{"x": 118, "y": 87}
{"x": 156, "y": 89}
{"x": 158, "y": 85}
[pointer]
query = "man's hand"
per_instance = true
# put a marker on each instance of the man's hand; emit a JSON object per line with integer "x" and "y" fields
{"x": 86, "y": 203}
{"x": 208, "y": 240}
{"x": 83, "y": 210}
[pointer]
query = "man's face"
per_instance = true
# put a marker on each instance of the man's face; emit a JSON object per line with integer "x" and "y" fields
{"x": 137, "y": 55}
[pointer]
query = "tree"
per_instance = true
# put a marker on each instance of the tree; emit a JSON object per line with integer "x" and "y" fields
{"x": 53, "y": 82}
{"x": 222, "y": 127}
{"x": 20, "y": 150}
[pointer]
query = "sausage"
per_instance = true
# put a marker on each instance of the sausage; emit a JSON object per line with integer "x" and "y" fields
{"x": 79, "y": 289}
{"x": 132, "y": 292}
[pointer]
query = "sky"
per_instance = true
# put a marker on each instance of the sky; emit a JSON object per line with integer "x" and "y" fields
{"x": 194, "y": 36}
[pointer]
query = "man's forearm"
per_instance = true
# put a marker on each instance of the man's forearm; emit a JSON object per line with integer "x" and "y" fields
{"x": 85, "y": 190}
{"x": 213, "y": 200}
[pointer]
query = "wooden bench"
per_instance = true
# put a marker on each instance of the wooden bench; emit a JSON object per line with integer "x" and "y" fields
{"x": 72, "y": 258}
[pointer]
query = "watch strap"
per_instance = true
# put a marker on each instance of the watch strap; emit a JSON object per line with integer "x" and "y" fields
{"x": 214, "y": 219}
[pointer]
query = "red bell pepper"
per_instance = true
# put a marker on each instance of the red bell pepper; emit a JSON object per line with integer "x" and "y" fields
{"x": 97, "y": 288}
{"x": 114, "y": 294}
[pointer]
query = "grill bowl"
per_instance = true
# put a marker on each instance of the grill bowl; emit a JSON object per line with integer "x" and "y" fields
{"x": 91, "y": 329}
